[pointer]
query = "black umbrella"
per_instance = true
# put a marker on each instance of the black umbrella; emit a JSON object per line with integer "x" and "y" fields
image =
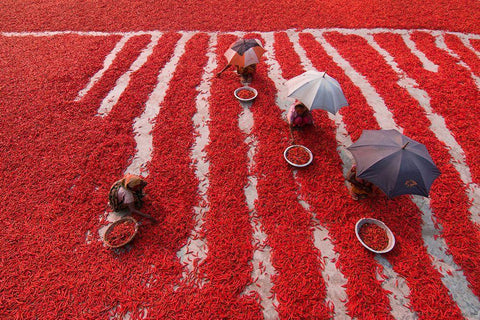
{"x": 393, "y": 162}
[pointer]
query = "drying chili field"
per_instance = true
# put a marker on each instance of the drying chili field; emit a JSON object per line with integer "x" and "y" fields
{"x": 90, "y": 91}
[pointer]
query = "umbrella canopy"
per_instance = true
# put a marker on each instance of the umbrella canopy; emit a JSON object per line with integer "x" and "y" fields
{"x": 317, "y": 90}
{"x": 244, "y": 52}
{"x": 393, "y": 162}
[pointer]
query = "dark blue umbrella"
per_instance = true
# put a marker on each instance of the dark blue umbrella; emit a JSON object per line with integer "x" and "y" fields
{"x": 393, "y": 162}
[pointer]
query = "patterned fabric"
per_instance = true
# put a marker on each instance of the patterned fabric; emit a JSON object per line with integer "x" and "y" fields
{"x": 297, "y": 120}
{"x": 113, "y": 201}
{"x": 132, "y": 183}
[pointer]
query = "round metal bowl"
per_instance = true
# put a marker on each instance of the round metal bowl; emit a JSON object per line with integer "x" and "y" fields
{"x": 391, "y": 237}
{"x": 296, "y": 164}
{"x": 245, "y": 88}
{"x": 112, "y": 226}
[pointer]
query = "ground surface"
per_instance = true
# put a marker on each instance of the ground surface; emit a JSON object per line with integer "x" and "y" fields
{"x": 90, "y": 90}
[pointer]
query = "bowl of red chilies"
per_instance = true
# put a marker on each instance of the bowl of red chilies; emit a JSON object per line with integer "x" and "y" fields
{"x": 298, "y": 156}
{"x": 120, "y": 232}
{"x": 374, "y": 235}
{"x": 245, "y": 93}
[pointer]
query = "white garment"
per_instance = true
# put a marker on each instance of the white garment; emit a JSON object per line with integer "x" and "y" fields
{"x": 125, "y": 196}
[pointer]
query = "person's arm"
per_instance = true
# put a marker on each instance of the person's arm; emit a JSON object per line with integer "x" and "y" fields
{"x": 132, "y": 208}
{"x": 292, "y": 138}
{"x": 352, "y": 178}
{"x": 225, "y": 68}
{"x": 291, "y": 115}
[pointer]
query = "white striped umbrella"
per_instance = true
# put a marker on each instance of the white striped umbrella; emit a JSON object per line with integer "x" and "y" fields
{"x": 244, "y": 52}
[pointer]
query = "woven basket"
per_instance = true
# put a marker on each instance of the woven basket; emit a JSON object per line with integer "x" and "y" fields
{"x": 113, "y": 225}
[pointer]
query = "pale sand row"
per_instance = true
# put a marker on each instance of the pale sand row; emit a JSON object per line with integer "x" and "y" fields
{"x": 263, "y": 269}
{"x": 466, "y": 42}
{"x": 391, "y": 281}
{"x": 427, "y": 64}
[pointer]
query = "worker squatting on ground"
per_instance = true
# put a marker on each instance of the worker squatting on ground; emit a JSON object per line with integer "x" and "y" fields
{"x": 127, "y": 194}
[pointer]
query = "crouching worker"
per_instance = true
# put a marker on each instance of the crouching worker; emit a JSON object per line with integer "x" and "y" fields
{"x": 358, "y": 188}
{"x": 245, "y": 73}
{"x": 127, "y": 194}
{"x": 298, "y": 115}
